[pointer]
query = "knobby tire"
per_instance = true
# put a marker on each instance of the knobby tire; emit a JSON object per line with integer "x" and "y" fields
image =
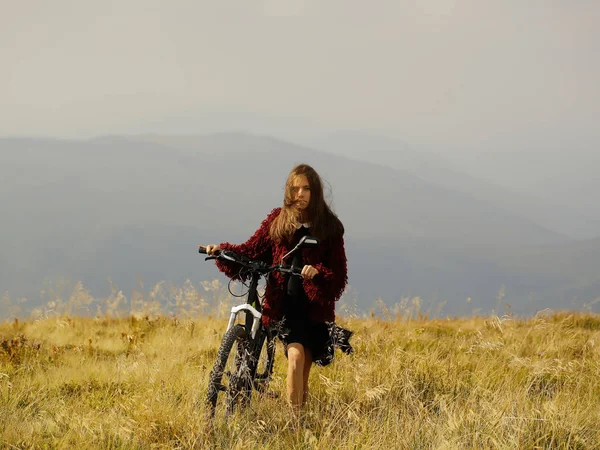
{"x": 237, "y": 334}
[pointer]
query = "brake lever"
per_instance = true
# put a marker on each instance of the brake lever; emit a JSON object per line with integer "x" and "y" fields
{"x": 209, "y": 258}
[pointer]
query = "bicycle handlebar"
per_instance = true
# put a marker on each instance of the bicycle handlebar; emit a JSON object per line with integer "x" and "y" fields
{"x": 251, "y": 264}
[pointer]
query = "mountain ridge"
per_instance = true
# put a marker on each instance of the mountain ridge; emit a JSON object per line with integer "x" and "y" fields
{"x": 121, "y": 207}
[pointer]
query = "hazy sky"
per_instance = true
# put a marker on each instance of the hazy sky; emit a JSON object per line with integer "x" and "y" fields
{"x": 446, "y": 73}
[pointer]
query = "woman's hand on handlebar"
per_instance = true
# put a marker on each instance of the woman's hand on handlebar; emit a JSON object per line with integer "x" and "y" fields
{"x": 209, "y": 249}
{"x": 212, "y": 249}
{"x": 309, "y": 272}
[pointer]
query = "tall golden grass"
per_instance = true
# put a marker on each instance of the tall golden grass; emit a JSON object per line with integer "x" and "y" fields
{"x": 138, "y": 381}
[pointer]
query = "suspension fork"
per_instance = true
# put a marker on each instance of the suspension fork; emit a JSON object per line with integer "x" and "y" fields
{"x": 252, "y": 310}
{"x": 255, "y": 303}
{"x": 253, "y": 326}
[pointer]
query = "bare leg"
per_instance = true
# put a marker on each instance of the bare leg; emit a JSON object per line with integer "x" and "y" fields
{"x": 307, "y": 366}
{"x": 295, "y": 374}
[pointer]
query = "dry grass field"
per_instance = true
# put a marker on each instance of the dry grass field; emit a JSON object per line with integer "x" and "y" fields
{"x": 138, "y": 381}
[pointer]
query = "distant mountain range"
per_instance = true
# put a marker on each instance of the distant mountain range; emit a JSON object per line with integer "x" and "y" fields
{"x": 131, "y": 207}
{"x": 497, "y": 178}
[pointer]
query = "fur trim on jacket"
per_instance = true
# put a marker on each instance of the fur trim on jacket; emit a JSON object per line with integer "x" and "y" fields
{"x": 329, "y": 258}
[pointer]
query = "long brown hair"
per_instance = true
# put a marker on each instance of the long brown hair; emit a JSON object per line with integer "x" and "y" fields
{"x": 324, "y": 222}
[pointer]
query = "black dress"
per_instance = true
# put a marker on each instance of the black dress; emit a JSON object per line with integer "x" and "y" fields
{"x": 297, "y": 326}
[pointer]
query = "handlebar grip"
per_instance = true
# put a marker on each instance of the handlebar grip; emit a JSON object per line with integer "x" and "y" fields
{"x": 202, "y": 250}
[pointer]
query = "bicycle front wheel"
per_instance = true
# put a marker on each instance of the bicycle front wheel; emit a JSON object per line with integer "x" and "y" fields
{"x": 230, "y": 363}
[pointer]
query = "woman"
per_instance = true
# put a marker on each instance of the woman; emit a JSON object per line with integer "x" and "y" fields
{"x": 302, "y": 310}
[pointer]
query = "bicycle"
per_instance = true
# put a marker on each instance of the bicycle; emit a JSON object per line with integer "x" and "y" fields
{"x": 251, "y": 338}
